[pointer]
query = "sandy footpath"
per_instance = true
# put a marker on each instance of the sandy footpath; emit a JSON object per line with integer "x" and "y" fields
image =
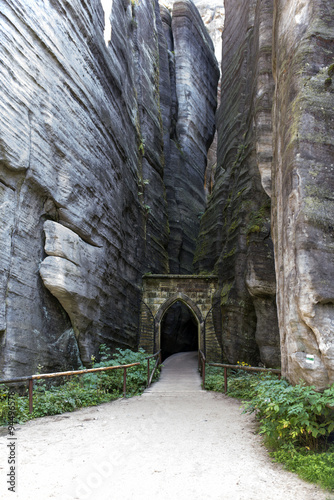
{"x": 174, "y": 441}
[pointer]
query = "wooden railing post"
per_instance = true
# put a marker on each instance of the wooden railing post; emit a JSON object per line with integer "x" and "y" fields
{"x": 203, "y": 373}
{"x": 31, "y": 386}
{"x": 245, "y": 368}
{"x": 150, "y": 376}
{"x": 39, "y": 376}
{"x": 124, "y": 383}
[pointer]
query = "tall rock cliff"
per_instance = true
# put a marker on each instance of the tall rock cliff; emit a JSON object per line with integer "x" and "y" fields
{"x": 72, "y": 167}
{"x": 84, "y": 135}
{"x": 235, "y": 229}
{"x": 192, "y": 128}
{"x": 275, "y": 149}
{"x": 303, "y": 187}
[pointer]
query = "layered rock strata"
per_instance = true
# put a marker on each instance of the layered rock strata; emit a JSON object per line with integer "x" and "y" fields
{"x": 69, "y": 147}
{"x": 303, "y": 187}
{"x": 191, "y": 129}
{"x": 186, "y": 89}
{"x": 84, "y": 134}
{"x": 235, "y": 229}
{"x": 289, "y": 79}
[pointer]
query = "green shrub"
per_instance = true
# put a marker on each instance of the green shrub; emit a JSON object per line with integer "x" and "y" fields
{"x": 80, "y": 391}
{"x": 240, "y": 385}
{"x": 21, "y": 407}
{"x": 214, "y": 379}
{"x": 293, "y": 415}
{"x": 112, "y": 381}
{"x": 296, "y": 421}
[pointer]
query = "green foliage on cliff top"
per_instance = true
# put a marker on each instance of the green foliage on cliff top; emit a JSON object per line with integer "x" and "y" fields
{"x": 80, "y": 391}
{"x": 297, "y": 421}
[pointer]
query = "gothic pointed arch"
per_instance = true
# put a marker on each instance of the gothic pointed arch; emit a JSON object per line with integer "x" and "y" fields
{"x": 196, "y": 293}
{"x": 178, "y": 297}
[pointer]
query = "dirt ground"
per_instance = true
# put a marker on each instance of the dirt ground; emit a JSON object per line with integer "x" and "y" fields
{"x": 174, "y": 441}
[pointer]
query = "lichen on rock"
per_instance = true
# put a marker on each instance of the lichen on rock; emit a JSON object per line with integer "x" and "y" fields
{"x": 303, "y": 189}
{"x": 234, "y": 238}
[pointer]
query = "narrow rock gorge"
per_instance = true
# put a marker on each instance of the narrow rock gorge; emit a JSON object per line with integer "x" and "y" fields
{"x": 103, "y": 150}
{"x": 105, "y": 175}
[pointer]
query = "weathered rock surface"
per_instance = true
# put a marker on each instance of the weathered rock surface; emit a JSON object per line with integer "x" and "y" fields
{"x": 212, "y": 13}
{"x": 71, "y": 130}
{"x": 192, "y": 131}
{"x": 297, "y": 173}
{"x": 84, "y": 134}
{"x": 73, "y": 272}
{"x": 235, "y": 229}
{"x": 303, "y": 187}
{"x": 104, "y": 175}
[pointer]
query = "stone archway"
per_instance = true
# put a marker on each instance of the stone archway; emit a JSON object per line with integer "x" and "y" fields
{"x": 179, "y": 330}
{"x": 160, "y": 292}
{"x": 193, "y": 308}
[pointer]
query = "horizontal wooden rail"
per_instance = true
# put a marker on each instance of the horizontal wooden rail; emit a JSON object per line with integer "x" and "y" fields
{"x": 39, "y": 376}
{"x": 153, "y": 355}
{"x": 80, "y": 372}
{"x": 245, "y": 368}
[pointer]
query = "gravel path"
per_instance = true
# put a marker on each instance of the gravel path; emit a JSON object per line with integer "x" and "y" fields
{"x": 174, "y": 441}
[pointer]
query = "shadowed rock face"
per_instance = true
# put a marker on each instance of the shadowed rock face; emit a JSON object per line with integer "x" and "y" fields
{"x": 102, "y": 165}
{"x": 235, "y": 238}
{"x": 191, "y": 127}
{"x": 303, "y": 187}
{"x": 68, "y": 140}
{"x": 297, "y": 173}
{"x": 84, "y": 134}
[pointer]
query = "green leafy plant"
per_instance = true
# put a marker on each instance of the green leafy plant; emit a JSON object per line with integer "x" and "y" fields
{"x": 295, "y": 415}
{"x": 259, "y": 218}
{"x": 141, "y": 147}
{"x": 80, "y": 391}
{"x": 313, "y": 467}
{"x": 297, "y": 421}
{"x": 147, "y": 209}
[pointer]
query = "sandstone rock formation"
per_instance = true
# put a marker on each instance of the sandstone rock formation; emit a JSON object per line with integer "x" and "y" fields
{"x": 192, "y": 129}
{"x": 104, "y": 175}
{"x": 186, "y": 89}
{"x": 69, "y": 130}
{"x": 235, "y": 229}
{"x": 289, "y": 79}
{"x": 84, "y": 135}
{"x": 303, "y": 181}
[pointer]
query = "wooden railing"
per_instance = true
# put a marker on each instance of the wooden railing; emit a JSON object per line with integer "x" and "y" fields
{"x": 201, "y": 366}
{"x": 157, "y": 363}
{"x": 31, "y": 378}
{"x": 245, "y": 368}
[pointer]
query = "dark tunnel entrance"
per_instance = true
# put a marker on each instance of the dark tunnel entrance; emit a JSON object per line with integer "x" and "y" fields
{"x": 179, "y": 330}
